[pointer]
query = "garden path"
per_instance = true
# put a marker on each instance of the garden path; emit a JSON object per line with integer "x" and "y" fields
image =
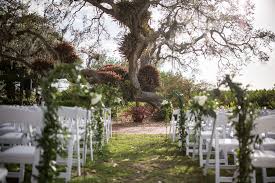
{"x": 140, "y": 128}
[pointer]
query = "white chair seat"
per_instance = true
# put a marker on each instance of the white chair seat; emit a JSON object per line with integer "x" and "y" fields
{"x": 18, "y": 154}
{"x": 271, "y": 135}
{"x": 263, "y": 159}
{"x": 12, "y": 138}
{"x": 269, "y": 144}
{"x": 5, "y": 124}
{"x": 226, "y": 144}
{"x": 7, "y": 129}
{"x": 3, "y": 173}
{"x": 206, "y": 134}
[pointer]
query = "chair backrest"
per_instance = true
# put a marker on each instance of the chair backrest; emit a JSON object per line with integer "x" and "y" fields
{"x": 265, "y": 124}
{"x": 222, "y": 118}
{"x": 21, "y": 114}
{"x": 175, "y": 115}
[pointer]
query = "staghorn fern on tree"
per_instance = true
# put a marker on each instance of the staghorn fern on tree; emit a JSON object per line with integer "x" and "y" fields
{"x": 66, "y": 52}
{"x": 149, "y": 78}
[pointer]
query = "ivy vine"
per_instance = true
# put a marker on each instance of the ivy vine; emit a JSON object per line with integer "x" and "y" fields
{"x": 243, "y": 120}
{"x": 181, "y": 121}
{"x": 50, "y": 142}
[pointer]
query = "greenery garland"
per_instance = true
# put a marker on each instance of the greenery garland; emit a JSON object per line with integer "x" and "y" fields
{"x": 181, "y": 121}
{"x": 244, "y": 113}
{"x": 167, "y": 110}
{"x": 50, "y": 142}
{"x": 201, "y": 106}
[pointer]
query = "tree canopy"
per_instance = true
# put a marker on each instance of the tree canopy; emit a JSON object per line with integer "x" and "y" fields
{"x": 155, "y": 31}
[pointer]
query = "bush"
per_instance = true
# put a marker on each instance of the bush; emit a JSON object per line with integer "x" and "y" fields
{"x": 119, "y": 70}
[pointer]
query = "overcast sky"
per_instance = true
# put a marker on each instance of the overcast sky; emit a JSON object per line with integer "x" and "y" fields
{"x": 257, "y": 75}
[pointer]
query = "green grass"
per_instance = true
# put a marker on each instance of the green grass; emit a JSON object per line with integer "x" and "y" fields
{"x": 142, "y": 158}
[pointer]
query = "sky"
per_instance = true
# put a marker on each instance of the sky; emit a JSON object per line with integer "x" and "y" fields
{"x": 257, "y": 75}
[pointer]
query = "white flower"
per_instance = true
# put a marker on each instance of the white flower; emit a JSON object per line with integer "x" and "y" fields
{"x": 96, "y": 98}
{"x": 239, "y": 107}
{"x": 200, "y": 100}
{"x": 164, "y": 102}
{"x": 78, "y": 78}
{"x": 196, "y": 99}
{"x": 117, "y": 100}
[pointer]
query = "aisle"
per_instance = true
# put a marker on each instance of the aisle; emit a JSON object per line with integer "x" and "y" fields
{"x": 146, "y": 158}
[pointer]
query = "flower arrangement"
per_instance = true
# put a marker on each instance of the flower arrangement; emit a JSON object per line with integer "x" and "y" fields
{"x": 166, "y": 110}
{"x": 200, "y": 106}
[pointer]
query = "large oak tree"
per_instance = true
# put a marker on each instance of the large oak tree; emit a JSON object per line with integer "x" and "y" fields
{"x": 180, "y": 30}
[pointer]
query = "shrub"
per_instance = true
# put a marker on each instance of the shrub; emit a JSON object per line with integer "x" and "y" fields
{"x": 119, "y": 70}
{"x": 139, "y": 113}
{"x": 149, "y": 78}
{"x": 109, "y": 77}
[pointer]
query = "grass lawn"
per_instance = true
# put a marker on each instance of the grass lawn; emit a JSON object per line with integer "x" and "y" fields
{"x": 142, "y": 158}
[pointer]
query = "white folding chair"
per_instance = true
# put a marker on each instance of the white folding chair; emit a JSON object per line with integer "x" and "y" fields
{"x": 173, "y": 124}
{"x": 264, "y": 159}
{"x": 20, "y": 154}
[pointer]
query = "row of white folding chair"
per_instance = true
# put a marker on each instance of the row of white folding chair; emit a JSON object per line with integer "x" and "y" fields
{"x": 260, "y": 159}
{"x": 263, "y": 158}
{"x": 20, "y": 154}
{"x": 76, "y": 121}
{"x": 195, "y": 146}
{"x": 225, "y": 131}
{"x": 12, "y": 114}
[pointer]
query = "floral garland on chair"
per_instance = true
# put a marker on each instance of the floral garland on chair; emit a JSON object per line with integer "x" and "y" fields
{"x": 245, "y": 113}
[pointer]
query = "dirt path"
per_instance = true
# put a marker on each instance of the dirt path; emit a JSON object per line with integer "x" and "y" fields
{"x": 140, "y": 128}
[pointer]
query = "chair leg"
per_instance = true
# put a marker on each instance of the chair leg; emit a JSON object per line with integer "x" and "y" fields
{"x": 78, "y": 156}
{"x": 200, "y": 152}
{"x": 22, "y": 172}
{"x": 35, "y": 163}
{"x": 187, "y": 144}
{"x": 91, "y": 146}
{"x": 84, "y": 152}
{"x": 69, "y": 160}
{"x": 264, "y": 175}
{"x": 217, "y": 158}
{"x": 253, "y": 176}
